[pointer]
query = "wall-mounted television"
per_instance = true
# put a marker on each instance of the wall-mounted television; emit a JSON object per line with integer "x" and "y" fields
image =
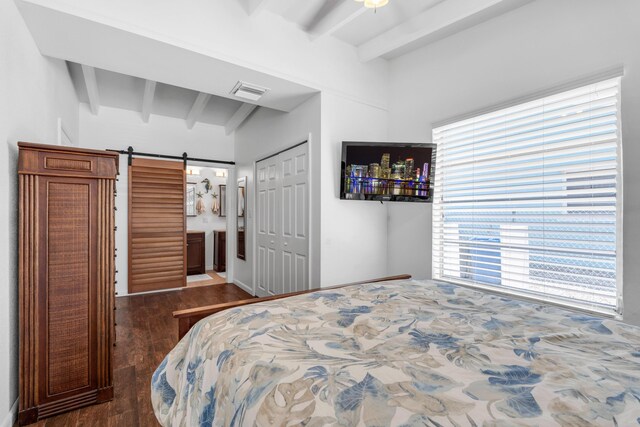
{"x": 386, "y": 171}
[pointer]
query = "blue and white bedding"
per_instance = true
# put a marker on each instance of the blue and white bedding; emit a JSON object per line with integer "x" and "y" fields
{"x": 414, "y": 353}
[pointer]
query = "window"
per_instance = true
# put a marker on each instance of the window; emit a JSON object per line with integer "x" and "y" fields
{"x": 527, "y": 199}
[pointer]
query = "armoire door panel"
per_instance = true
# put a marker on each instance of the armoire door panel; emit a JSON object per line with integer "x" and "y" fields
{"x": 69, "y": 272}
{"x": 157, "y": 232}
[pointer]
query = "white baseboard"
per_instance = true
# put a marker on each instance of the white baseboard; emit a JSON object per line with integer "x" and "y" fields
{"x": 12, "y": 416}
{"x": 243, "y": 286}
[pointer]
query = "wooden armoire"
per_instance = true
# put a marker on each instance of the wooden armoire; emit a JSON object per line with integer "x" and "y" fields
{"x": 66, "y": 278}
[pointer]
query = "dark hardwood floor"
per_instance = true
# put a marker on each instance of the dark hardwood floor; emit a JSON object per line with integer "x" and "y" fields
{"x": 146, "y": 332}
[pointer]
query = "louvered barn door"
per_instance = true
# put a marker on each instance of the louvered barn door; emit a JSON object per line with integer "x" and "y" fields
{"x": 157, "y": 242}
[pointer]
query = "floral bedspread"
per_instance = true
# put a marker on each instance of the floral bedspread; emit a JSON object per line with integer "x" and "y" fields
{"x": 414, "y": 353}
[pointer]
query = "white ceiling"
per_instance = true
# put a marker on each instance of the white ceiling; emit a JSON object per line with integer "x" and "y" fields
{"x": 369, "y": 25}
{"x": 388, "y": 31}
{"x": 365, "y": 24}
{"x": 127, "y": 92}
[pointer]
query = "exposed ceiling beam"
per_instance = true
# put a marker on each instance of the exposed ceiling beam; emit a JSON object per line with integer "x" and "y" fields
{"x": 238, "y": 117}
{"x": 147, "y": 99}
{"x": 435, "y": 23}
{"x": 91, "y": 83}
{"x": 197, "y": 109}
{"x": 295, "y": 10}
{"x": 342, "y": 14}
{"x": 253, "y": 7}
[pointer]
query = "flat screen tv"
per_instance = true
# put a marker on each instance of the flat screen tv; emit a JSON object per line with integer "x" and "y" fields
{"x": 385, "y": 171}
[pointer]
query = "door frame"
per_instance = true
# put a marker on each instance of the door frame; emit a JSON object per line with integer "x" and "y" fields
{"x": 231, "y": 195}
{"x": 124, "y": 238}
{"x": 254, "y": 219}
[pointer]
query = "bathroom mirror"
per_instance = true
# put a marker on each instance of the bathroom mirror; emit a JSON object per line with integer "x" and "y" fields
{"x": 223, "y": 200}
{"x": 241, "y": 217}
{"x": 190, "y": 199}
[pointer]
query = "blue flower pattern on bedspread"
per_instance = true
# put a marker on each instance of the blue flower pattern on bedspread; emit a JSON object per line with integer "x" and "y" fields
{"x": 402, "y": 353}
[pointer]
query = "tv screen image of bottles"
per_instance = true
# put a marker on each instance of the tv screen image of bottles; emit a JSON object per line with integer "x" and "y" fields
{"x": 387, "y": 172}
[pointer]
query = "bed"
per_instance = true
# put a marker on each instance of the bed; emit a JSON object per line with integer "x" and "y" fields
{"x": 402, "y": 353}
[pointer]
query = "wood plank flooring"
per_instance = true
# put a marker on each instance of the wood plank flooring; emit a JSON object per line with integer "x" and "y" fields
{"x": 146, "y": 332}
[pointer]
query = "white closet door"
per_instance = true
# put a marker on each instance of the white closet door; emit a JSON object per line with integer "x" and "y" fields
{"x": 282, "y": 213}
{"x": 294, "y": 232}
{"x": 267, "y": 191}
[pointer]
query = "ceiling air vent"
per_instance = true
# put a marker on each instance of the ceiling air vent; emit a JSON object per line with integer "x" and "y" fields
{"x": 247, "y": 91}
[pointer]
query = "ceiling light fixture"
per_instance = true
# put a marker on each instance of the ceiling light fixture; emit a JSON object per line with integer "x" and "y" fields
{"x": 373, "y": 4}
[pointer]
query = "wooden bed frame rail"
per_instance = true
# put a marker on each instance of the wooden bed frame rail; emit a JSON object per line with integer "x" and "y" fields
{"x": 189, "y": 317}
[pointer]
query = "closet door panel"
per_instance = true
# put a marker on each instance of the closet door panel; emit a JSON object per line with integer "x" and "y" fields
{"x": 157, "y": 232}
{"x": 282, "y": 212}
{"x": 268, "y": 278}
{"x": 293, "y": 237}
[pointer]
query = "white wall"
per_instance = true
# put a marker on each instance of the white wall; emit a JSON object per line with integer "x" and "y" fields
{"x": 266, "y": 132}
{"x": 409, "y": 239}
{"x": 354, "y": 232}
{"x": 114, "y": 128}
{"x": 34, "y": 92}
{"x": 207, "y": 221}
{"x": 538, "y": 46}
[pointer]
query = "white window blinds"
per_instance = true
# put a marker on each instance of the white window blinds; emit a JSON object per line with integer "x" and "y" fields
{"x": 526, "y": 199}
